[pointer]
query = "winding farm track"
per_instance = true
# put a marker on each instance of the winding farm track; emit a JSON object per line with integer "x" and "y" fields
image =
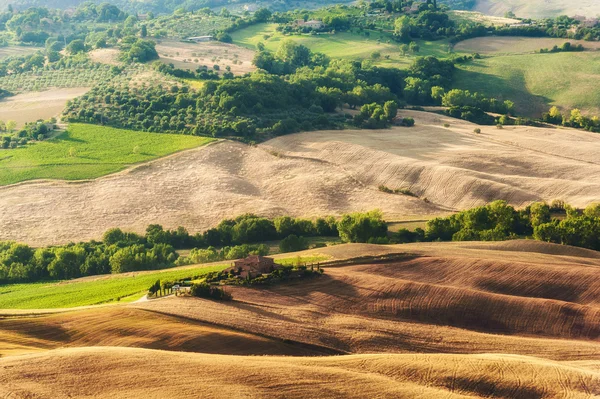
{"x": 314, "y": 174}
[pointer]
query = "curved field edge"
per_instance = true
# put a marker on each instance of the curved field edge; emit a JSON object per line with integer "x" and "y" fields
{"x": 87, "y": 151}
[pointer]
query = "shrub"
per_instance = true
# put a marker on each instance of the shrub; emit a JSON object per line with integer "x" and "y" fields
{"x": 478, "y": 130}
{"x": 293, "y": 243}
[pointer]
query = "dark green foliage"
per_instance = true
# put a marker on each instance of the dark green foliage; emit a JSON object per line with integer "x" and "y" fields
{"x": 204, "y": 290}
{"x": 362, "y": 227}
{"x": 293, "y": 243}
{"x": 138, "y": 50}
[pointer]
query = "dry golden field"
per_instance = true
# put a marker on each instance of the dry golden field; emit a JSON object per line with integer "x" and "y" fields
{"x": 539, "y": 8}
{"x": 30, "y": 107}
{"x": 517, "y": 319}
{"x": 314, "y": 174}
{"x": 131, "y": 373}
{"x": 192, "y": 55}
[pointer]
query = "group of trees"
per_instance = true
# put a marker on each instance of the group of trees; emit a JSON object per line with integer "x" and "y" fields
{"x": 557, "y": 223}
{"x": 566, "y": 47}
{"x": 574, "y": 119}
{"x": 121, "y": 251}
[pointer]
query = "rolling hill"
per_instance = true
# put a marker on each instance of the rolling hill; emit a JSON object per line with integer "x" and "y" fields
{"x": 313, "y": 174}
{"x": 516, "y": 319}
{"x": 539, "y": 8}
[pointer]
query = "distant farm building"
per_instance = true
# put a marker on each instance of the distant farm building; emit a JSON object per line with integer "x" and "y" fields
{"x": 252, "y": 267}
{"x": 313, "y": 24}
{"x": 586, "y": 22}
{"x": 200, "y": 39}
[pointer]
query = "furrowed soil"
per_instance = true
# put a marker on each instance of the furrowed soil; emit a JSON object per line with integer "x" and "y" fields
{"x": 516, "y": 319}
{"x": 315, "y": 174}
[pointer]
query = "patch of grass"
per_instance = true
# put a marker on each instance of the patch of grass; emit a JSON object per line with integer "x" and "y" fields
{"x": 123, "y": 288}
{"x": 535, "y": 82}
{"x": 301, "y": 260}
{"x": 88, "y": 151}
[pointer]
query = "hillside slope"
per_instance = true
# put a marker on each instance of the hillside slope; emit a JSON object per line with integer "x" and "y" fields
{"x": 314, "y": 174}
{"x": 86, "y": 373}
{"x": 539, "y": 8}
{"x": 459, "y": 298}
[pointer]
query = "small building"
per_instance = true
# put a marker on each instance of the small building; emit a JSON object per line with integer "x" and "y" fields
{"x": 313, "y": 24}
{"x": 200, "y": 39}
{"x": 252, "y": 266}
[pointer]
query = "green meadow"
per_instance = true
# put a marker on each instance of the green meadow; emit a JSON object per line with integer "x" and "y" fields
{"x": 343, "y": 45}
{"x": 88, "y": 151}
{"x": 90, "y": 291}
{"x": 535, "y": 82}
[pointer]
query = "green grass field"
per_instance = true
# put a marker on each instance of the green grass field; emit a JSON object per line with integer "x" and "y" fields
{"x": 344, "y": 45}
{"x": 88, "y": 151}
{"x": 535, "y": 82}
{"x": 53, "y": 295}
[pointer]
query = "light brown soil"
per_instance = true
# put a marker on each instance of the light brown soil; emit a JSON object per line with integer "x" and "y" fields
{"x": 30, "y": 107}
{"x": 516, "y": 45}
{"x": 132, "y": 373}
{"x": 314, "y": 174}
{"x": 109, "y": 56}
{"x": 192, "y": 55}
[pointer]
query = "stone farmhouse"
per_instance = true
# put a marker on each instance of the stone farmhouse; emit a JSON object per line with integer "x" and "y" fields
{"x": 252, "y": 267}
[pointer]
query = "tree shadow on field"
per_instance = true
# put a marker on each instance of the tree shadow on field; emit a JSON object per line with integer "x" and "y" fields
{"x": 513, "y": 89}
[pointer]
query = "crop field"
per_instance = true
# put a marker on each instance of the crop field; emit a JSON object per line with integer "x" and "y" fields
{"x": 539, "y": 8}
{"x": 535, "y": 82}
{"x": 344, "y": 45}
{"x": 511, "y": 319}
{"x": 489, "y": 20}
{"x": 87, "y": 151}
{"x": 10, "y": 51}
{"x": 62, "y": 78}
{"x": 75, "y": 372}
{"x": 182, "y": 26}
{"x": 30, "y": 107}
{"x": 317, "y": 174}
{"x": 90, "y": 291}
{"x": 192, "y": 55}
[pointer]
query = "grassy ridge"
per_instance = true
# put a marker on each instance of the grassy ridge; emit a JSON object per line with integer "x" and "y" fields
{"x": 537, "y": 81}
{"x": 87, "y": 151}
{"x": 123, "y": 288}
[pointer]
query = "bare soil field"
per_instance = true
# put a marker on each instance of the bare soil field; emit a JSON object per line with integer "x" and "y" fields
{"x": 192, "y": 55}
{"x": 109, "y": 56}
{"x": 516, "y": 45}
{"x": 539, "y": 8}
{"x": 516, "y": 319}
{"x": 29, "y": 107}
{"x": 314, "y": 174}
{"x": 115, "y": 373}
{"x": 438, "y": 298}
{"x": 126, "y": 327}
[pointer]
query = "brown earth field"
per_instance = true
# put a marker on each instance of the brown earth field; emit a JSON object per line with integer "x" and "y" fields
{"x": 516, "y": 45}
{"x": 30, "y": 107}
{"x": 190, "y": 56}
{"x": 517, "y": 319}
{"x": 314, "y": 174}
